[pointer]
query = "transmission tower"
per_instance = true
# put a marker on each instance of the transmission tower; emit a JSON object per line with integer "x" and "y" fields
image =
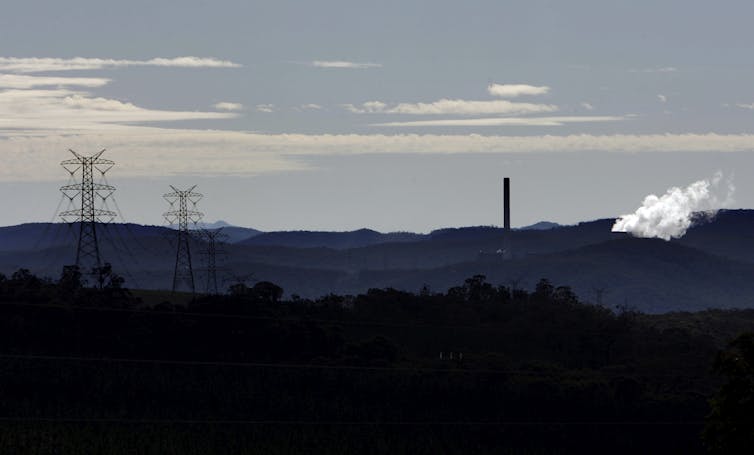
{"x": 214, "y": 240}
{"x": 89, "y": 198}
{"x": 182, "y": 212}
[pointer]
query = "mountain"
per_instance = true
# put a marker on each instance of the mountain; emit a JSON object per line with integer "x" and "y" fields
{"x": 336, "y": 240}
{"x": 237, "y": 234}
{"x": 730, "y": 234}
{"x": 647, "y": 274}
{"x": 711, "y": 266}
{"x": 232, "y": 233}
{"x": 540, "y": 226}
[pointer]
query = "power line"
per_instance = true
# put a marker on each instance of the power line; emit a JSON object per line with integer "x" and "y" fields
{"x": 309, "y": 366}
{"x": 294, "y": 319}
{"x": 264, "y": 422}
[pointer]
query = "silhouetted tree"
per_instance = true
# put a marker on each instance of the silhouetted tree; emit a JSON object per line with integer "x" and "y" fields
{"x": 544, "y": 288}
{"x": 730, "y": 425}
{"x": 70, "y": 282}
{"x": 106, "y": 278}
{"x": 478, "y": 289}
{"x": 267, "y": 292}
{"x": 564, "y": 294}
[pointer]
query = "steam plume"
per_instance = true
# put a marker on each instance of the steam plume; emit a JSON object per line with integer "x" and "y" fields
{"x": 670, "y": 215}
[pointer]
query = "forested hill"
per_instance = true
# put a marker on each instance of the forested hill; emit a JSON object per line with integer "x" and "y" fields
{"x": 712, "y": 266}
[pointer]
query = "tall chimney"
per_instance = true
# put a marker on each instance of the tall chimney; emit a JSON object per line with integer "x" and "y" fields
{"x": 507, "y": 203}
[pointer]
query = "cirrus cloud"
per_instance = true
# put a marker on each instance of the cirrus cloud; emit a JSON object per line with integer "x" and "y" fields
{"x": 151, "y": 152}
{"x": 40, "y": 64}
{"x": 22, "y": 81}
{"x": 343, "y": 64}
{"x": 452, "y": 106}
{"x": 228, "y": 106}
{"x": 504, "y": 121}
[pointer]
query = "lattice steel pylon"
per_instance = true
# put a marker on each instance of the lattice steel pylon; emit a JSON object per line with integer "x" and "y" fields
{"x": 213, "y": 246}
{"x": 92, "y": 196}
{"x": 182, "y": 213}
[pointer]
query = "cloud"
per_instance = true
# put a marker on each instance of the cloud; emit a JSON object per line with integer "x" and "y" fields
{"x": 516, "y": 90}
{"x": 152, "y": 152}
{"x": 505, "y": 121}
{"x": 452, "y": 107}
{"x": 265, "y": 108}
{"x": 662, "y": 69}
{"x": 310, "y": 107}
{"x": 64, "y": 109}
{"x": 670, "y": 215}
{"x": 227, "y": 106}
{"x": 19, "y": 81}
{"x": 370, "y": 107}
{"x": 36, "y": 64}
{"x": 663, "y": 99}
{"x": 344, "y": 64}
{"x": 587, "y": 106}
{"x": 745, "y": 106}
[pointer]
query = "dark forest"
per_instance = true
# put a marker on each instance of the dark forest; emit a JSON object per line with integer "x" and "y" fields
{"x": 477, "y": 368}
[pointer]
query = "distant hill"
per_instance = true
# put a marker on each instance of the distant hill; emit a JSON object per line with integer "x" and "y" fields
{"x": 237, "y": 234}
{"x": 647, "y": 274}
{"x": 540, "y": 226}
{"x": 336, "y": 240}
{"x": 711, "y": 266}
{"x": 729, "y": 234}
{"x": 233, "y": 233}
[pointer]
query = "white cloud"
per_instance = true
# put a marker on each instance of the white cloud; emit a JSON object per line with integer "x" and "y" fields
{"x": 516, "y": 90}
{"x": 20, "y": 81}
{"x": 151, "y": 152}
{"x": 663, "y": 99}
{"x": 227, "y": 106}
{"x": 310, "y": 107}
{"x": 505, "y": 121}
{"x": 344, "y": 64}
{"x": 265, "y": 108}
{"x": 63, "y": 109}
{"x": 662, "y": 69}
{"x": 36, "y": 64}
{"x": 745, "y": 106}
{"x": 451, "y": 107}
{"x": 587, "y": 106}
{"x": 370, "y": 107}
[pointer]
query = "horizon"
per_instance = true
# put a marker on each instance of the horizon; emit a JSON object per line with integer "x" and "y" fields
{"x": 493, "y": 226}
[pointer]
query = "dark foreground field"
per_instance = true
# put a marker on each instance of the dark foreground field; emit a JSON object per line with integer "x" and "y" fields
{"x": 478, "y": 369}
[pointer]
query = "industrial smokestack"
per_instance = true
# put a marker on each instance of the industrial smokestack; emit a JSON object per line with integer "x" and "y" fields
{"x": 507, "y": 247}
{"x": 507, "y": 204}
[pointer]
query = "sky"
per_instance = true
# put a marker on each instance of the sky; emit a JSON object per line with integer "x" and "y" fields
{"x": 391, "y": 115}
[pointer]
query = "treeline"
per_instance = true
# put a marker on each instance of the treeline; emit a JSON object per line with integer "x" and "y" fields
{"x": 476, "y": 369}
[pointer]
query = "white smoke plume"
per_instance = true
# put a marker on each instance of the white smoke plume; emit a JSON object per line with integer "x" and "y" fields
{"x": 670, "y": 215}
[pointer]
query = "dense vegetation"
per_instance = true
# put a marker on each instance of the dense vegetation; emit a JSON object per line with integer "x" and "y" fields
{"x": 476, "y": 369}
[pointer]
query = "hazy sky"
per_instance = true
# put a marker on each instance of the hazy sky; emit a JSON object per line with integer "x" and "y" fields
{"x": 393, "y": 115}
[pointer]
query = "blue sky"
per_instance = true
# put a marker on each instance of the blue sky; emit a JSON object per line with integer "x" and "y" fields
{"x": 389, "y": 115}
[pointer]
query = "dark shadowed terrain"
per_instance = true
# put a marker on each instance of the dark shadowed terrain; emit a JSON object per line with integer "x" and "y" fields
{"x": 712, "y": 266}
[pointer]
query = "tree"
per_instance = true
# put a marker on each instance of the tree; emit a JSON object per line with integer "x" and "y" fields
{"x": 106, "y": 279}
{"x": 70, "y": 281}
{"x": 267, "y": 292}
{"x": 730, "y": 425}
{"x": 544, "y": 288}
{"x": 478, "y": 289}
